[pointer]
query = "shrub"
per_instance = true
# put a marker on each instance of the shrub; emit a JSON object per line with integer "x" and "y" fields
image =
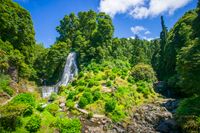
{"x": 68, "y": 125}
{"x": 52, "y": 108}
{"x": 88, "y": 96}
{"x": 108, "y": 83}
{"x": 117, "y": 115}
{"x": 131, "y": 80}
{"x": 90, "y": 115}
{"x": 9, "y": 90}
{"x": 110, "y": 105}
{"x": 53, "y": 96}
{"x": 4, "y": 84}
{"x": 96, "y": 95}
{"x": 81, "y": 88}
{"x": 143, "y": 72}
{"x": 24, "y": 98}
{"x": 112, "y": 77}
{"x": 82, "y": 102}
{"x": 61, "y": 89}
{"x": 143, "y": 87}
{"x": 28, "y": 111}
{"x": 33, "y": 124}
{"x": 81, "y": 74}
{"x": 40, "y": 107}
{"x": 189, "y": 106}
{"x": 71, "y": 95}
{"x": 92, "y": 82}
{"x": 10, "y": 116}
{"x": 70, "y": 104}
{"x": 81, "y": 82}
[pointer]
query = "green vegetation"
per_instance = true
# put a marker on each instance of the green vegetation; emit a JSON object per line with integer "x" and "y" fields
{"x": 4, "y": 84}
{"x": 69, "y": 126}
{"x": 33, "y": 124}
{"x": 143, "y": 72}
{"x": 179, "y": 65}
{"x": 188, "y": 114}
{"x": 116, "y": 74}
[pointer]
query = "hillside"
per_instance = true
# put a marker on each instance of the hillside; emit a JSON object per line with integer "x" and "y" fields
{"x": 89, "y": 81}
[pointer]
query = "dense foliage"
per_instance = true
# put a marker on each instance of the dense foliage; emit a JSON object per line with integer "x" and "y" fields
{"x": 179, "y": 65}
{"x": 116, "y": 74}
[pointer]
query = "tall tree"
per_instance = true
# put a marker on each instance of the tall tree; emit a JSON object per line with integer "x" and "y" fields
{"x": 16, "y": 27}
{"x": 163, "y": 42}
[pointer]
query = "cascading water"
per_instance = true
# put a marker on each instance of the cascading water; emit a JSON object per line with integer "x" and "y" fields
{"x": 70, "y": 71}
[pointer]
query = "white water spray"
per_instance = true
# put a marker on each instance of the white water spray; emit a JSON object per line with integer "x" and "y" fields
{"x": 70, "y": 71}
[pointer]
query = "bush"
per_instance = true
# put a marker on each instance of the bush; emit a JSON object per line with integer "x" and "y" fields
{"x": 24, "y": 98}
{"x": 28, "y": 111}
{"x": 52, "y": 108}
{"x": 71, "y": 95}
{"x": 92, "y": 82}
{"x": 40, "y": 108}
{"x": 117, "y": 115}
{"x": 110, "y": 105}
{"x": 53, "y": 96}
{"x": 4, "y": 84}
{"x": 189, "y": 106}
{"x": 81, "y": 74}
{"x": 70, "y": 104}
{"x": 131, "y": 80}
{"x": 10, "y": 116}
{"x": 82, "y": 102}
{"x": 61, "y": 89}
{"x": 188, "y": 114}
{"x": 69, "y": 125}
{"x": 143, "y": 72}
{"x": 90, "y": 115}
{"x": 33, "y": 124}
{"x": 108, "y": 83}
{"x": 81, "y": 88}
{"x": 142, "y": 87}
{"x": 88, "y": 96}
{"x": 81, "y": 82}
{"x": 96, "y": 95}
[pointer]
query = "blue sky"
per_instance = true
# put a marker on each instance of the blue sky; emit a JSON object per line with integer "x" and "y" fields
{"x": 130, "y": 17}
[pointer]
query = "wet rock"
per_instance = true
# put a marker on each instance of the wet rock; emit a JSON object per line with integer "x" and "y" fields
{"x": 168, "y": 126}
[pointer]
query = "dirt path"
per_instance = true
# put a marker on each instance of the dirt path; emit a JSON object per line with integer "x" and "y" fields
{"x": 86, "y": 112}
{"x": 7, "y": 101}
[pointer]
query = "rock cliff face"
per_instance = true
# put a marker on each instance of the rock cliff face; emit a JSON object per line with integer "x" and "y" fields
{"x": 13, "y": 72}
{"x": 150, "y": 118}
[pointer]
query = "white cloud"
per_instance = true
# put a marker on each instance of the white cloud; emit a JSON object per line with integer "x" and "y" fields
{"x": 148, "y": 38}
{"x": 137, "y": 29}
{"x": 147, "y": 32}
{"x": 141, "y": 8}
{"x": 113, "y": 7}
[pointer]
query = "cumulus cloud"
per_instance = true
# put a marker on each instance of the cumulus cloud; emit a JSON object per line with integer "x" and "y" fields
{"x": 113, "y": 7}
{"x": 147, "y": 32}
{"x": 137, "y": 29}
{"x": 141, "y": 8}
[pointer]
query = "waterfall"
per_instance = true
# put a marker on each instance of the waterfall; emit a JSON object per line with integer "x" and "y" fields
{"x": 70, "y": 71}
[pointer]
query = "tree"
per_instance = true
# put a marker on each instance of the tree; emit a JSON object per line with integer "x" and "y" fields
{"x": 163, "y": 42}
{"x": 188, "y": 67}
{"x": 68, "y": 28}
{"x": 143, "y": 72}
{"x": 16, "y": 27}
